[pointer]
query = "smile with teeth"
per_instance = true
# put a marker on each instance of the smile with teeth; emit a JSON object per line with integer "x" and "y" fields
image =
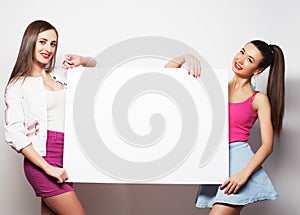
{"x": 237, "y": 66}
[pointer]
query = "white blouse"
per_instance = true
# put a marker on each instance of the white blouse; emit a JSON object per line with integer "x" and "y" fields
{"x": 26, "y": 113}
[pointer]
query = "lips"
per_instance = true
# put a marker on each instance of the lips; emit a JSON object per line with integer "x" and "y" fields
{"x": 46, "y": 56}
{"x": 237, "y": 66}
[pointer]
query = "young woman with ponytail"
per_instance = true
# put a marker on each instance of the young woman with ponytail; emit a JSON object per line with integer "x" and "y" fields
{"x": 248, "y": 182}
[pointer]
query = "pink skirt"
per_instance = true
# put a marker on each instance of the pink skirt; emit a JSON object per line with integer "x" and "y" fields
{"x": 43, "y": 184}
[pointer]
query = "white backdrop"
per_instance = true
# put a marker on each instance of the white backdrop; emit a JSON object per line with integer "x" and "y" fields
{"x": 217, "y": 29}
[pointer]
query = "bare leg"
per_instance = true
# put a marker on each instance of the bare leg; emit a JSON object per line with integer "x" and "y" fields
{"x": 45, "y": 209}
{"x": 65, "y": 204}
{"x": 224, "y": 209}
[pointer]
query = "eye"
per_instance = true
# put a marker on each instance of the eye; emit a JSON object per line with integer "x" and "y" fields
{"x": 53, "y": 44}
{"x": 42, "y": 42}
{"x": 250, "y": 60}
{"x": 242, "y": 51}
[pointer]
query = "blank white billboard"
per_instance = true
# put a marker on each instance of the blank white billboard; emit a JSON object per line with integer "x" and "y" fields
{"x": 146, "y": 125}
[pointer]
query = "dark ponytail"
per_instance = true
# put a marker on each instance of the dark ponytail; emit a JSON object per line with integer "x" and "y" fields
{"x": 273, "y": 57}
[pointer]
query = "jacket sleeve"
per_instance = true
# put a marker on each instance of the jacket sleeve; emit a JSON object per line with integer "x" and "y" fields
{"x": 14, "y": 128}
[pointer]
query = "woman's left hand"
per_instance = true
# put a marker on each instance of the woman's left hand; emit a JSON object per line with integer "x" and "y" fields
{"x": 234, "y": 183}
{"x": 193, "y": 65}
{"x": 71, "y": 61}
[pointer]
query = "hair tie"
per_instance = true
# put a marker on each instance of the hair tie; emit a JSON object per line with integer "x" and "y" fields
{"x": 271, "y": 48}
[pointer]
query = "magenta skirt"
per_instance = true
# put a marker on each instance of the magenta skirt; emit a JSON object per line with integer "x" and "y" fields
{"x": 44, "y": 185}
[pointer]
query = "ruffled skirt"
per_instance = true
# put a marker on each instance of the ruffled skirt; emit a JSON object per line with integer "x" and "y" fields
{"x": 259, "y": 186}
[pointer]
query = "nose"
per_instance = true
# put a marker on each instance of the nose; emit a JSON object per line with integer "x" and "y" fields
{"x": 48, "y": 47}
{"x": 241, "y": 59}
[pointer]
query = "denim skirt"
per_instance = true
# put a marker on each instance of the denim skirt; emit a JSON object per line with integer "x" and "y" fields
{"x": 259, "y": 186}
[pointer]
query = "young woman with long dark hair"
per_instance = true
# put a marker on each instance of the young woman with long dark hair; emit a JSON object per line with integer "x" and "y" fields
{"x": 34, "y": 117}
{"x": 248, "y": 182}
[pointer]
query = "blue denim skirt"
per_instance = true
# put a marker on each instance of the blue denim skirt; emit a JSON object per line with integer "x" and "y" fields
{"x": 259, "y": 186}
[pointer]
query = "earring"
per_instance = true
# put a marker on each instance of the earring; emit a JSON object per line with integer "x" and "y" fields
{"x": 253, "y": 82}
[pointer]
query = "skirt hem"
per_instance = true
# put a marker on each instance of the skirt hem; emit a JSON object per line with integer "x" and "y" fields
{"x": 235, "y": 203}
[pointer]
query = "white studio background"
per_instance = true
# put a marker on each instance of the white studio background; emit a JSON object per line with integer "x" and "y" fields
{"x": 217, "y": 29}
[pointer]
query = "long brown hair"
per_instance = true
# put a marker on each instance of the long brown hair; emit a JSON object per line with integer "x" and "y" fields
{"x": 23, "y": 65}
{"x": 273, "y": 57}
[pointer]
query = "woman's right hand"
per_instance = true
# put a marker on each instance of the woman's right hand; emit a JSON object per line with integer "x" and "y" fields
{"x": 31, "y": 154}
{"x": 73, "y": 60}
{"x": 60, "y": 174}
{"x": 192, "y": 63}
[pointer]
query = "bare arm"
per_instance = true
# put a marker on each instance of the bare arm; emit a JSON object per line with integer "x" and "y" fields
{"x": 235, "y": 182}
{"x": 175, "y": 62}
{"x": 266, "y": 131}
{"x": 88, "y": 61}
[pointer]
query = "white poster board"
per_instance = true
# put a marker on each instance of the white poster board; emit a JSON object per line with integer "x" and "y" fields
{"x": 146, "y": 125}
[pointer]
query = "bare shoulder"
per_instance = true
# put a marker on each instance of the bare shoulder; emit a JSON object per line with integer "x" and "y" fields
{"x": 261, "y": 101}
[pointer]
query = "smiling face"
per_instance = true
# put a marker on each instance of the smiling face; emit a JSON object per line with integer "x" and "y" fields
{"x": 246, "y": 61}
{"x": 45, "y": 47}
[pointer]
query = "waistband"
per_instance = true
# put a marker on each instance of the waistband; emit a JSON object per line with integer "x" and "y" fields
{"x": 237, "y": 144}
{"x": 55, "y": 134}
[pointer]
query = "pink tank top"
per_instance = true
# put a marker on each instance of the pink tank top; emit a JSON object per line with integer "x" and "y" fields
{"x": 241, "y": 119}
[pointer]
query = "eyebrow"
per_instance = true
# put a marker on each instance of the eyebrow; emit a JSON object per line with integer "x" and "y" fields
{"x": 249, "y": 55}
{"x": 42, "y": 38}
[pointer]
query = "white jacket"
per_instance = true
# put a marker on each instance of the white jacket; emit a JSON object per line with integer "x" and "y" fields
{"x": 26, "y": 112}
